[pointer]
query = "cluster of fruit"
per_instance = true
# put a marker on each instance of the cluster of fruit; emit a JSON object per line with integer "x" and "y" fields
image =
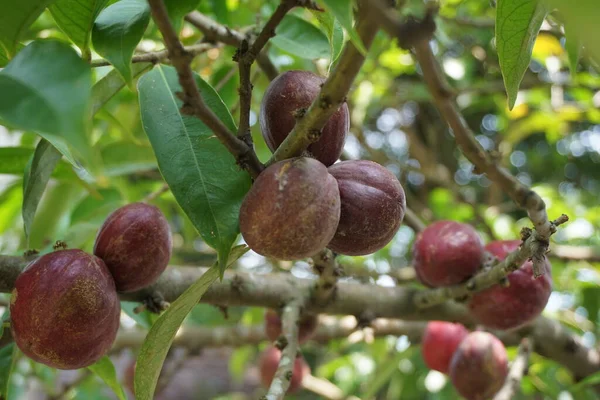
{"x": 269, "y": 360}
{"x": 299, "y": 206}
{"x": 65, "y": 308}
{"x": 476, "y": 362}
{"x": 447, "y": 253}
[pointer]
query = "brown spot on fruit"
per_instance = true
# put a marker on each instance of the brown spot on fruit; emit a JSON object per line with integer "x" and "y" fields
{"x": 446, "y": 253}
{"x": 372, "y": 207}
{"x": 66, "y": 314}
{"x": 294, "y": 220}
{"x": 135, "y": 243}
{"x": 512, "y": 306}
{"x": 283, "y": 102}
{"x": 269, "y": 361}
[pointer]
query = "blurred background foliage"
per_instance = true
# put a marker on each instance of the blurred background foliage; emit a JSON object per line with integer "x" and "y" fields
{"x": 549, "y": 140}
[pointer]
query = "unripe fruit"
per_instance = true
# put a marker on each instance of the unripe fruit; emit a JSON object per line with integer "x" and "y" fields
{"x": 479, "y": 366}
{"x": 269, "y": 361}
{"x": 439, "y": 343}
{"x": 286, "y": 98}
{"x": 65, "y": 310}
{"x": 372, "y": 207}
{"x": 446, "y": 253}
{"x": 306, "y": 326}
{"x": 292, "y": 210}
{"x": 135, "y": 243}
{"x": 501, "y": 307}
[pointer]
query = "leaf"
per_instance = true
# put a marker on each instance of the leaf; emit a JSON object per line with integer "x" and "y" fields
{"x": 517, "y": 25}
{"x": 7, "y": 361}
{"x": 45, "y": 158}
{"x": 15, "y": 18}
{"x": 118, "y": 30}
{"x": 143, "y": 318}
{"x": 221, "y": 11}
{"x": 177, "y": 9}
{"x": 201, "y": 173}
{"x": 105, "y": 369}
{"x": 46, "y": 88}
{"x": 111, "y": 84}
{"x": 342, "y": 10}
{"x": 121, "y": 158}
{"x": 573, "y": 47}
{"x": 300, "y": 38}
{"x": 334, "y": 32}
{"x": 158, "y": 341}
{"x": 76, "y": 19}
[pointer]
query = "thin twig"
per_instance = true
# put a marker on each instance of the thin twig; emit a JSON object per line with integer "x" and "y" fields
{"x": 517, "y": 371}
{"x": 157, "y": 193}
{"x": 412, "y": 219}
{"x": 333, "y": 92}
{"x": 326, "y": 266}
{"x": 158, "y": 56}
{"x": 193, "y": 102}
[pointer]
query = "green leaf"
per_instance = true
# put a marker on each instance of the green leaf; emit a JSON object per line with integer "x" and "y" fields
{"x": 121, "y": 158}
{"x": 334, "y": 32}
{"x": 76, "y": 19}
{"x": 7, "y": 362}
{"x": 221, "y": 11}
{"x": 517, "y": 25}
{"x": 111, "y": 84}
{"x": 177, "y": 9}
{"x": 15, "y": 19}
{"x": 591, "y": 301}
{"x": 105, "y": 369}
{"x": 45, "y": 158}
{"x": 46, "y": 88}
{"x": 158, "y": 341}
{"x": 573, "y": 47}
{"x": 201, "y": 173}
{"x": 94, "y": 209}
{"x": 118, "y": 30}
{"x": 342, "y": 10}
{"x": 143, "y": 318}
{"x": 300, "y": 38}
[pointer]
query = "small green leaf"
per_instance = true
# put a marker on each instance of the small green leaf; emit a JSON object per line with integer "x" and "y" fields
{"x": 143, "y": 318}
{"x": 121, "y": 158}
{"x": 201, "y": 173}
{"x": 111, "y": 84}
{"x": 105, "y": 369}
{"x": 517, "y": 25}
{"x": 7, "y": 362}
{"x": 46, "y": 88}
{"x": 342, "y": 10}
{"x": 118, "y": 30}
{"x": 177, "y": 9}
{"x": 300, "y": 38}
{"x": 76, "y": 19}
{"x": 44, "y": 160}
{"x": 334, "y": 32}
{"x": 573, "y": 47}
{"x": 158, "y": 341}
{"x": 15, "y": 19}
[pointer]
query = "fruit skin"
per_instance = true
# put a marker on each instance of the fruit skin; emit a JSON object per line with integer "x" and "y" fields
{"x": 522, "y": 301}
{"x": 446, "y": 253}
{"x": 65, "y": 310}
{"x": 440, "y": 341}
{"x": 307, "y": 326}
{"x": 372, "y": 203}
{"x": 286, "y": 95}
{"x": 479, "y": 366}
{"x": 269, "y": 361}
{"x": 135, "y": 243}
{"x": 292, "y": 210}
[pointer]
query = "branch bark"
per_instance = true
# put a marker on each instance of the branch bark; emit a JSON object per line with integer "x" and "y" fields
{"x": 158, "y": 56}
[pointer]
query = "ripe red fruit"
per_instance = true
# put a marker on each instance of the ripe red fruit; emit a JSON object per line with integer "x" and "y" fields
{"x": 135, "y": 243}
{"x": 446, "y": 253}
{"x": 269, "y": 361}
{"x": 286, "y": 98}
{"x": 524, "y": 299}
{"x": 306, "y": 328}
{"x": 439, "y": 343}
{"x": 479, "y": 366}
{"x": 372, "y": 207}
{"x": 65, "y": 310}
{"x": 292, "y": 210}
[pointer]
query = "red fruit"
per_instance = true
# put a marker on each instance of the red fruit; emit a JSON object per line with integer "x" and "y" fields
{"x": 284, "y": 101}
{"x": 372, "y": 207}
{"x": 447, "y": 253}
{"x": 306, "y": 328}
{"x": 135, "y": 243}
{"x": 269, "y": 362}
{"x": 65, "y": 310}
{"x": 292, "y": 210}
{"x": 479, "y": 366}
{"x": 523, "y": 300}
{"x": 439, "y": 343}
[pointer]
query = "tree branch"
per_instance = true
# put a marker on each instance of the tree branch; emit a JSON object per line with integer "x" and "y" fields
{"x": 518, "y": 370}
{"x": 328, "y": 270}
{"x": 333, "y": 92}
{"x": 193, "y": 102}
{"x": 158, "y": 56}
